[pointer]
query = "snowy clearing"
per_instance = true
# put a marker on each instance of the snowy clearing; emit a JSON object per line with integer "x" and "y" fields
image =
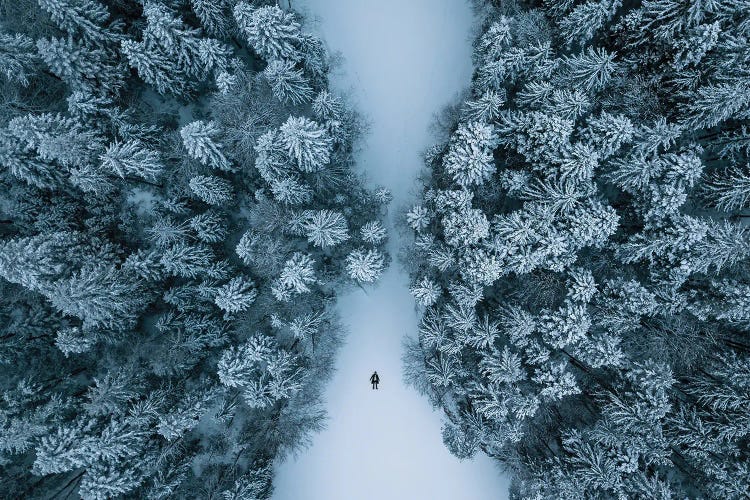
{"x": 403, "y": 61}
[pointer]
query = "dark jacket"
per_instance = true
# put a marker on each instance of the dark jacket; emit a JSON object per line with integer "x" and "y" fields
{"x": 374, "y": 379}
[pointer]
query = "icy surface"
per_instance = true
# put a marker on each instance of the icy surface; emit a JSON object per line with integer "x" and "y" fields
{"x": 404, "y": 60}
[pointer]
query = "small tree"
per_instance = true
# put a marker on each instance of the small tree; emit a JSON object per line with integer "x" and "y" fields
{"x": 212, "y": 190}
{"x": 237, "y": 295}
{"x": 132, "y": 158}
{"x": 326, "y": 228}
{"x": 365, "y": 266}
{"x": 201, "y": 141}
{"x": 273, "y": 33}
{"x": 288, "y": 84}
{"x": 307, "y": 143}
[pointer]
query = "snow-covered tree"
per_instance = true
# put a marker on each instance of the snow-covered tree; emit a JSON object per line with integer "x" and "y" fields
{"x": 200, "y": 141}
{"x": 465, "y": 227}
{"x": 143, "y": 161}
{"x": 307, "y": 143}
{"x": 287, "y": 82}
{"x": 187, "y": 260}
{"x": 271, "y": 32}
{"x": 237, "y": 295}
{"x": 469, "y": 159}
{"x": 609, "y": 199}
{"x": 100, "y": 296}
{"x": 17, "y": 57}
{"x": 211, "y": 189}
{"x": 213, "y": 16}
{"x": 365, "y": 266}
{"x": 80, "y": 17}
{"x": 132, "y": 158}
{"x": 209, "y": 226}
{"x": 418, "y": 218}
{"x": 373, "y": 232}
{"x": 296, "y": 277}
{"x": 326, "y": 228}
{"x": 426, "y": 292}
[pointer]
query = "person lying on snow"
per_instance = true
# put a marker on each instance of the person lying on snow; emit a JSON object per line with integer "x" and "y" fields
{"x": 374, "y": 380}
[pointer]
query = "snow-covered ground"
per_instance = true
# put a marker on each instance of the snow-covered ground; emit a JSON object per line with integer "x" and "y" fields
{"x": 404, "y": 61}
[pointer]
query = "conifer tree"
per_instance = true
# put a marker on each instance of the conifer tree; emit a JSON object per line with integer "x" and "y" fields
{"x": 132, "y": 158}
{"x": 236, "y": 296}
{"x": 364, "y": 266}
{"x": 306, "y": 143}
{"x": 17, "y": 57}
{"x": 288, "y": 83}
{"x": 326, "y": 228}
{"x": 568, "y": 278}
{"x": 273, "y": 33}
{"x": 211, "y": 189}
{"x": 199, "y": 138}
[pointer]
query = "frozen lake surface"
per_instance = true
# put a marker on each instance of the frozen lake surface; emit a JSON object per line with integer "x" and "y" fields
{"x": 404, "y": 60}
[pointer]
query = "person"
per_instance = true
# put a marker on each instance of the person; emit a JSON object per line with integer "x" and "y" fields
{"x": 374, "y": 379}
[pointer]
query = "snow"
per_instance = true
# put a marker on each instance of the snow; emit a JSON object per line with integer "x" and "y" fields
{"x": 403, "y": 62}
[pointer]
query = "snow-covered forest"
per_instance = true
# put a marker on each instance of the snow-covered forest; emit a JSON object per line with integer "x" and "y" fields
{"x": 582, "y": 255}
{"x": 178, "y": 213}
{"x": 183, "y": 218}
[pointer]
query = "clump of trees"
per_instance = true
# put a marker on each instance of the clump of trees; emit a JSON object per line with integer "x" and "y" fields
{"x": 582, "y": 252}
{"x": 177, "y": 212}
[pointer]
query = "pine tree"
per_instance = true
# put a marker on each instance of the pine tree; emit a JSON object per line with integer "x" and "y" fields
{"x": 465, "y": 227}
{"x": 418, "y": 218}
{"x": 271, "y": 32}
{"x": 80, "y": 17}
{"x": 326, "y": 228}
{"x": 296, "y": 276}
{"x": 100, "y": 296}
{"x": 710, "y": 105}
{"x": 213, "y": 16}
{"x": 155, "y": 68}
{"x": 36, "y": 262}
{"x": 486, "y": 108}
{"x": 17, "y": 57}
{"x": 22, "y": 163}
{"x": 426, "y": 292}
{"x": 56, "y": 138}
{"x": 209, "y": 226}
{"x": 327, "y": 106}
{"x": 132, "y": 158}
{"x": 201, "y": 141}
{"x": 106, "y": 481}
{"x": 237, "y": 295}
{"x": 690, "y": 51}
{"x": 291, "y": 191}
{"x": 71, "y": 341}
{"x": 187, "y": 260}
{"x": 592, "y": 69}
{"x": 211, "y": 189}
{"x": 306, "y": 143}
{"x": 365, "y": 266}
{"x": 81, "y": 67}
{"x": 469, "y": 159}
{"x": 289, "y": 84}
{"x": 373, "y": 232}
{"x": 172, "y": 56}
{"x": 66, "y": 449}
{"x": 728, "y": 190}
{"x": 580, "y": 25}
